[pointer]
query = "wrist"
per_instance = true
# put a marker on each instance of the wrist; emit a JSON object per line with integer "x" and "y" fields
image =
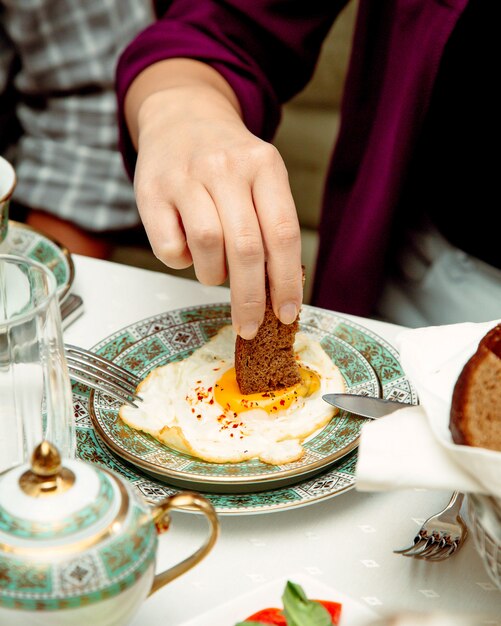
{"x": 174, "y": 86}
{"x": 194, "y": 102}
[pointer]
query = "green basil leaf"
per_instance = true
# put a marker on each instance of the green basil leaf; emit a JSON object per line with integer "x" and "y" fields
{"x": 299, "y": 611}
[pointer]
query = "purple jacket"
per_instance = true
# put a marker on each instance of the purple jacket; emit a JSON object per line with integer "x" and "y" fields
{"x": 267, "y": 50}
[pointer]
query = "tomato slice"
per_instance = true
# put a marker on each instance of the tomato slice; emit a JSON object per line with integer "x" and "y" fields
{"x": 334, "y": 609}
{"x": 268, "y": 616}
{"x": 276, "y": 617}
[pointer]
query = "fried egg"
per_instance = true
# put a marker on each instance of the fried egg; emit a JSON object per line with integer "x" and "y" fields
{"x": 195, "y": 405}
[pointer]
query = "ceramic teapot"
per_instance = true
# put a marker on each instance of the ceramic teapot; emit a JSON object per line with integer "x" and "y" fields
{"x": 78, "y": 546}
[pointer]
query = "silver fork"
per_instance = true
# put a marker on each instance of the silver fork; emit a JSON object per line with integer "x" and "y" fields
{"x": 101, "y": 374}
{"x": 441, "y": 535}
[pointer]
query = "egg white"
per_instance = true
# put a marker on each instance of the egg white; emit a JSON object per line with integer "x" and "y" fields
{"x": 179, "y": 408}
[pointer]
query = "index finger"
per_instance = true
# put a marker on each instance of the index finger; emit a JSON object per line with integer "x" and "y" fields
{"x": 244, "y": 253}
{"x": 281, "y": 234}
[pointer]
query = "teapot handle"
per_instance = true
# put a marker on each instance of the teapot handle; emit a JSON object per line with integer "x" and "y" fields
{"x": 185, "y": 500}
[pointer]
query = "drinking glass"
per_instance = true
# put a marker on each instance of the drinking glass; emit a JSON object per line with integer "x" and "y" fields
{"x": 35, "y": 390}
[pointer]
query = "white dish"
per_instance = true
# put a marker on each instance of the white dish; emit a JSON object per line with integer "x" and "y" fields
{"x": 230, "y": 613}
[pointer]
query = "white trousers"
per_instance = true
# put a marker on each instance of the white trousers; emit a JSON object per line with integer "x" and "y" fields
{"x": 439, "y": 284}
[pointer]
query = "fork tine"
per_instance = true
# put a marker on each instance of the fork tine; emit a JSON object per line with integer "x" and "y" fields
{"x": 99, "y": 373}
{"x": 423, "y": 548}
{"x": 83, "y": 356}
{"x": 113, "y": 390}
{"x": 418, "y": 542}
{"x": 444, "y": 551}
{"x": 452, "y": 548}
{"x": 95, "y": 378}
{"x": 103, "y": 375}
{"x": 436, "y": 547}
{"x": 444, "y": 533}
{"x": 435, "y": 544}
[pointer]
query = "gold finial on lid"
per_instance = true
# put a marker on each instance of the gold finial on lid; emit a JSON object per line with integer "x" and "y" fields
{"x": 47, "y": 476}
{"x": 45, "y": 460}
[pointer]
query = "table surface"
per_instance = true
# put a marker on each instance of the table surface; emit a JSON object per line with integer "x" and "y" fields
{"x": 344, "y": 542}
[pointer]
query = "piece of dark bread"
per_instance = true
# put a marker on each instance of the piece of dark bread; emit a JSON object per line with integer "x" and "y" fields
{"x": 267, "y": 362}
{"x": 476, "y": 402}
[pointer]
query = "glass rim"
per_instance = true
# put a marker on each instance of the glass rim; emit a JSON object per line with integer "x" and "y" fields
{"x": 46, "y": 299}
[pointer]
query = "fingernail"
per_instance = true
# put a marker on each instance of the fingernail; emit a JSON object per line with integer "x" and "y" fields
{"x": 287, "y": 313}
{"x": 248, "y": 331}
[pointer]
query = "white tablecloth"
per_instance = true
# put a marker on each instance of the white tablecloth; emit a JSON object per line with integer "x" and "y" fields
{"x": 345, "y": 542}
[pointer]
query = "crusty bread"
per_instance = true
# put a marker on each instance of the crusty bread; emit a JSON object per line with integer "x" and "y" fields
{"x": 476, "y": 402}
{"x": 267, "y": 362}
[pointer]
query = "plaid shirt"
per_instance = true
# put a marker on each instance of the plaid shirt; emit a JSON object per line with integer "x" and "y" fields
{"x": 57, "y": 69}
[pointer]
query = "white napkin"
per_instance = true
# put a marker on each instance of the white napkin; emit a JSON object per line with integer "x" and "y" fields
{"x": 413, "y": 447}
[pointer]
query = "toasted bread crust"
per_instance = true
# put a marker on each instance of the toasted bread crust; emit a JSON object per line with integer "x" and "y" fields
{"x": 475, "y": 418}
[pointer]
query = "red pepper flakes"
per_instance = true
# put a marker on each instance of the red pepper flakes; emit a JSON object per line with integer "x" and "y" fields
{"x": 199, "y": 417}
{"x": 211, "y": 401}
{"x": 209, "y": 389}
{"x": 282, "y": 402}
{"x": 234, "y": 426}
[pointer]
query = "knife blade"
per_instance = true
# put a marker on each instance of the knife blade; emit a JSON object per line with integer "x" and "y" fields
{"x": 365, "y": 406}
{"x": 71, "y": 309}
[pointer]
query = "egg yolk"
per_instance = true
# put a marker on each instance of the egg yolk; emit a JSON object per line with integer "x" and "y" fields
{"x": 227, "y": 393}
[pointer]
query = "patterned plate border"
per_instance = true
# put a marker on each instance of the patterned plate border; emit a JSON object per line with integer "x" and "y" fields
{"x": 333, "y": 442}
{"x": 27, "y": 241}
{"x": 333, "y": 481}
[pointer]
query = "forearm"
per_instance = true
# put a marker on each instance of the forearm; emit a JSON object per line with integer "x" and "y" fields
{"x": 177, "y": 84}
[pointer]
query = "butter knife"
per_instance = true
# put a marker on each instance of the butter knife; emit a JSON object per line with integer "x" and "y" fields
{"x": 71, "y": 309}
{"x": 365, "y": 406}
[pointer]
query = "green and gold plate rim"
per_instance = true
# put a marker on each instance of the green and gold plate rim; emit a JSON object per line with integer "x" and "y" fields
{"x": 327, "y": 483}
{"x": 45, "y": 249}
{"x": 327, "y": 446}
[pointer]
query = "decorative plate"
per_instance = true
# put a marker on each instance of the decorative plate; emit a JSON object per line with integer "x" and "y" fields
{"x": 328, "y": 327}
{"x": 183, "y": 332}
{"x": 26, "y": 241}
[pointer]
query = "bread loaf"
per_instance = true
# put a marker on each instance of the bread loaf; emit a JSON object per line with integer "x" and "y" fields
{"x": 476, "y": 402}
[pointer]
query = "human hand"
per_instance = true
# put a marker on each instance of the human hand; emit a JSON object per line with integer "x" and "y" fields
{"x": 211, "y": 193}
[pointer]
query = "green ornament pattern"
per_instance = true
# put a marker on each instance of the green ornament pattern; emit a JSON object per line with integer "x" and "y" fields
{"x": 74, "y": 523}
{"x": 174, "y": 335}
{"x": 80, "y": 579}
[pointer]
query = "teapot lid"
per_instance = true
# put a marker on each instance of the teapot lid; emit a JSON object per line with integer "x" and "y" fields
{"x": 50, "y": 506}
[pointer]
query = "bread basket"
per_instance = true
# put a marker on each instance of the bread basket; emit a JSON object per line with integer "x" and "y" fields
{"x": 485, "y": 524}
